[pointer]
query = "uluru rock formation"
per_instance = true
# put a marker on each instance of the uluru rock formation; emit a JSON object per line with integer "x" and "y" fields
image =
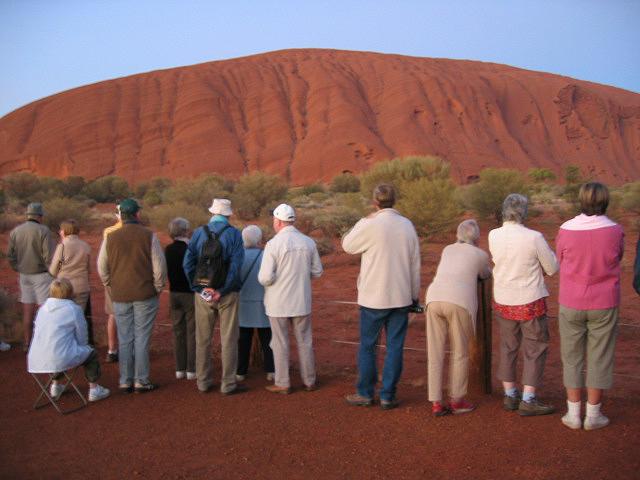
{"x": 310, "y": 114}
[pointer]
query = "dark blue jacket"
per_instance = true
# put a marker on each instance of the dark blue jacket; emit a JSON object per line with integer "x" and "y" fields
{"x": 232, "y": 251}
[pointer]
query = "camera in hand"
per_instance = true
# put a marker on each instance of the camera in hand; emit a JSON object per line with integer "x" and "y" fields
{"x": 415, "y": 307}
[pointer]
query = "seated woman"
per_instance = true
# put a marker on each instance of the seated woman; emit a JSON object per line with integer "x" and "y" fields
{"x": 452, "y": 303}
{"x": 60, "y": 341}
{"x": 251, "y": 313}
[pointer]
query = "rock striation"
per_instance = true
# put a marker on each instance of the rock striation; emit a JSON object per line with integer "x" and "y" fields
{"x": 310, "y": 114}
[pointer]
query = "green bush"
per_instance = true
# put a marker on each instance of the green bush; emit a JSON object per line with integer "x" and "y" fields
{"x": 107, "y": 189}
{"x": 157, "y": 185}
{"x": 257, "y": 193}
{"x": 432, "y": 205}
{"x": 73, "y": 186}
{"x": 313, "y": 188}
{"x": 630, "y": 197}
{"x": 160, "y": 216}
{"x": 335, "y": 221}
{"x": 400, "y": 171}
{"x": 58, "y": 209}
{"x": 541, "y": 175}
{"x": 573, "y": 181}
{"x": 21, "y": 186}
{"x": 485, "y": 197}
{"x": 198, "y": 192}
{"x": 345, "y": 183}
{"x": 325, "y": 246}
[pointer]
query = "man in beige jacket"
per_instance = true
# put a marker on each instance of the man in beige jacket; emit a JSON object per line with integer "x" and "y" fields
{"x": 389, "y": 282}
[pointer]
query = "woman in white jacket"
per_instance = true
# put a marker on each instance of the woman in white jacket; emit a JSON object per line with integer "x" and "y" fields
{"x": 60, "y": 341}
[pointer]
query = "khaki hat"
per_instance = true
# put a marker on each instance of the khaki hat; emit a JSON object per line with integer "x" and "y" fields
{"x": 221, "y": 206}
{"x": 35, "y": 209}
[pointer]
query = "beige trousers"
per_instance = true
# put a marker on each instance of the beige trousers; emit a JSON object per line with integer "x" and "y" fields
{"x": 226, "y": 310}
{"x": 443, "y": 318}
{"x": 280, "y": 346}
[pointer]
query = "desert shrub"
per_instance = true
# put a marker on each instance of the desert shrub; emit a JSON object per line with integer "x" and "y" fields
{"x": 313, "y": 188}
{"x": 21, "y": 186}
{"x": 152, "y": 198}
{"x": 325, "y": 246}
{"x": 541, "y": 175}
{"x": 58, "y": 209}
{"x": 8, "y": 221}
{"x": 160, "y": 216}
{"x": 110, "y": 188}
{"x": 335, "y": 221}
{"x": 630, "y": 197}
{"x": 3, "y": 200}
{"x": 345, "y": 183}
{"x": 73, "y": 186}
{"x": 573, "y": 180}
{"x": 157, "y": 185}
{"x": 257, "y": 193}
{"x": 400, "y": 171}
{"x": 354, "y": 201}
{"x": 485, "y": 197}
{"x": 198, "y": 192}
{"x": 432, "y": 205}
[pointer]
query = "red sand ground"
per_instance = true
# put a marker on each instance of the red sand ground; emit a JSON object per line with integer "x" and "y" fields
{"x": 178, "y": 433}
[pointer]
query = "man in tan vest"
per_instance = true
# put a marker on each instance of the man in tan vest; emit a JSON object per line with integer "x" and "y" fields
{"x": 132, "y": 264}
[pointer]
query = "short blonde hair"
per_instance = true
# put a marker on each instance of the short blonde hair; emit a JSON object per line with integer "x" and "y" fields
{"x": 61, "y": 288}
{"x": 70, "y": 227}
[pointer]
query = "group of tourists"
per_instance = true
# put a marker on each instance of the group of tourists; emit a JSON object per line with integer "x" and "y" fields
{"x": 222, "y": 276}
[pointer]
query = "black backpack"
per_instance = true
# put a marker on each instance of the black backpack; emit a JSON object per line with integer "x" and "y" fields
{"x": 211, "y": 269}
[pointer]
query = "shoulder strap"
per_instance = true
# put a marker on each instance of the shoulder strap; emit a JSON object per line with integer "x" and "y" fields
{"x": 205, "y": 227}
{"x": 250, "y": 269}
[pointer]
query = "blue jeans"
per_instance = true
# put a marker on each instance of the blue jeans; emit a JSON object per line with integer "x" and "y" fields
{"x": 135, "y": 324}
{"x": 394, "y": 321}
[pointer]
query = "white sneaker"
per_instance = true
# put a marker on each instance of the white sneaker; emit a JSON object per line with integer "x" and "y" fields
{"x": 593, "y": 423}
{"x": 571, "y": 421}
{"x": 180, "y": 374}
{"x": 98, "y": 393}
{"x": 55, "y": 390}
{"x": 270, "y": 376}
{"x": 4, "y": 346}
{"x": 240, "y": 378}
{"x": 191, "y": 375}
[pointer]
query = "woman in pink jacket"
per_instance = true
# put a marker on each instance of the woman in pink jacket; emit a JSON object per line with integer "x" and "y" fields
{"x": 589, "y": 248}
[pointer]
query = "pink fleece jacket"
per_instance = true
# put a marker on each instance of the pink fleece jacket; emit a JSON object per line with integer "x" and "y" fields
{"x": 589, "y": 249}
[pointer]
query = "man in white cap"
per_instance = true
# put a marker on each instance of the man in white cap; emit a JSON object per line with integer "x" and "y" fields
{"x": 216, "y": 295}
{"x": 31, "y": 248}
{"x": 289, "y": 262}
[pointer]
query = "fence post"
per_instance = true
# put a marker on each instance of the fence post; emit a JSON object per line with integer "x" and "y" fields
{"x": 480, "y": 348}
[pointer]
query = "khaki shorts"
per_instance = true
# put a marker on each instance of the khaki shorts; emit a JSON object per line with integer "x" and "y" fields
{"x": 108, "y": 303}
{"x": 34, "y": 287}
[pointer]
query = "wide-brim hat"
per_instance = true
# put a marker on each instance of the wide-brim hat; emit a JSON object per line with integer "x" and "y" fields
{"x": 221, "y": 206}
{"x": 35, "y": 209}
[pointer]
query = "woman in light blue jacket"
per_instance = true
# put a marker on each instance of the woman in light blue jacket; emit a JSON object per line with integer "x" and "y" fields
{"x": 251, "y": 311}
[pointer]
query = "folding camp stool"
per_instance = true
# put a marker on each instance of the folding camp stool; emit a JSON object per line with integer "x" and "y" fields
{"x": 67, "y": 381}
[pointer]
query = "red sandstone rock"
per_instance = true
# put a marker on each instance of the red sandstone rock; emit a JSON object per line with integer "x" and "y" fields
{"x": 310, "y": 114}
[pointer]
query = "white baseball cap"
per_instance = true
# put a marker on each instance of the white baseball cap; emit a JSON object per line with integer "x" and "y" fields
{"x": 285, "y": 212}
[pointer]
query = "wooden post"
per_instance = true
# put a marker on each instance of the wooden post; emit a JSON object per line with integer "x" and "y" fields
{"x": 480, "y": 347}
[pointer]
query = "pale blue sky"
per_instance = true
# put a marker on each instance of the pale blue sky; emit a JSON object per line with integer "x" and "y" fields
{"x": 47, "y": 46}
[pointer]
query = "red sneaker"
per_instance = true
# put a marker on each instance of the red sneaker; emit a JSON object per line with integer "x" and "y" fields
{"x": 461, "y": 406}
{"x": 439, "y": 410}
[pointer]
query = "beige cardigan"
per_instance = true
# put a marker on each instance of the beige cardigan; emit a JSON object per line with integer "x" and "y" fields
{"x": 71, "y": 261}
{"x": 521, "y": 256}
{"x": 456, "y": 280}
{"x": 390, "y": 265}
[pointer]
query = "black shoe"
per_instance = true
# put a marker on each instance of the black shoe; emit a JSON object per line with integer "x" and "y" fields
{"x": 145, "y": 387}
{"x": 389, "y": 404}
{"x": 125, "y": 388}
{"x": 111, "y": 358}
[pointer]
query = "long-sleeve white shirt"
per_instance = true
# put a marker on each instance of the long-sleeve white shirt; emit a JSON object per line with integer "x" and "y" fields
{"x": 289, "y": 261}
{"x": 390, "y": 266}
{"x": 520, "y": 256}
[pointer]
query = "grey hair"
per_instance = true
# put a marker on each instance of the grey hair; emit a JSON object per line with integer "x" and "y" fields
{"x": 514, "y": 208}
{"x": 251, "y": 236}
{"x": 179, "y": 227}
{"x": 468, "y": 232}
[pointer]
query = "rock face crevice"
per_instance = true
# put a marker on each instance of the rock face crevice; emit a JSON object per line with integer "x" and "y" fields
{"x": 309, "y": 115}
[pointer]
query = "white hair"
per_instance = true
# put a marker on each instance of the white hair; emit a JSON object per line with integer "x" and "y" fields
{"x": 468, "y": 231}
{"x": 251, "y": 236}
{"x": 514, "y": 208}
